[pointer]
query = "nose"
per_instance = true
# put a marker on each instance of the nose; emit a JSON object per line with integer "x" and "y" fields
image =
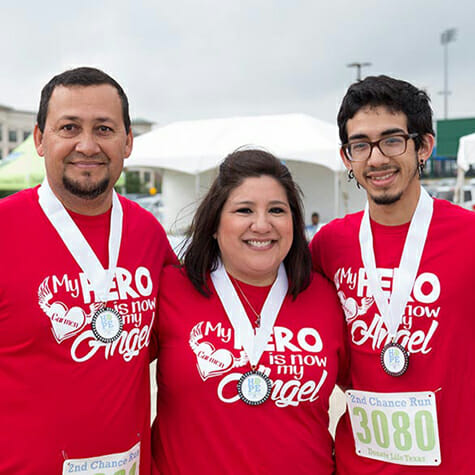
{"x": 87, "y": 144}
{"x": 376, "y": 157}
{"x": 261, "y": 223}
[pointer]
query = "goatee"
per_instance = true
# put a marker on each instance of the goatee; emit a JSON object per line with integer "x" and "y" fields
{"x": 87, "y": 191}
{"x": 387, "y": 199}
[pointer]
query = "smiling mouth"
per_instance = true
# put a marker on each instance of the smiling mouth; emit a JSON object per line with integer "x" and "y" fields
{"x": 382, "y": 177}
{"x": 259, "y": 244}
{"x": 87, "y": 165}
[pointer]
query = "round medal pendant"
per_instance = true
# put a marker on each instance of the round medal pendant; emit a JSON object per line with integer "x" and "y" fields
{"x": 107, "y": 325}
{"x": 254, "y": 388}
{"x": 394, "y": 359}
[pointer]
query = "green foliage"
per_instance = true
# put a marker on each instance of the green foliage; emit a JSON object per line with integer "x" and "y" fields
{"x": 132, "y": 183}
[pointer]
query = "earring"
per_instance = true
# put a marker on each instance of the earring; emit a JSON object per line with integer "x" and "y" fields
{"x": 351, "y": 175}
{"x": 420, "y": 168}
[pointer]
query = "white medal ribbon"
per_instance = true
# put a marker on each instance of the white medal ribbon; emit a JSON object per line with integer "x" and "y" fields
{"x": 405, "y": 276}
{"x": 253, "y": 343}
{"x": 99, "y": 278}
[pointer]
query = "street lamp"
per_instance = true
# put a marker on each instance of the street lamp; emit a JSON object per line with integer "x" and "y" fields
{"x": 445, "y": 38}
{"x": 358, "y": 67}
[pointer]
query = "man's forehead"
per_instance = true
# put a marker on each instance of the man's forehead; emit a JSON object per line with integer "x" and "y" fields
{"x": 376, "y": 120}
{"x": 98, "y": 101}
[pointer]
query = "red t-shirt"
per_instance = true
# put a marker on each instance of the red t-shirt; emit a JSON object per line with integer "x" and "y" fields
{"x": 63, "y": 394}
{"x": 202, "y": 426}
{"x": 438, "y": 328}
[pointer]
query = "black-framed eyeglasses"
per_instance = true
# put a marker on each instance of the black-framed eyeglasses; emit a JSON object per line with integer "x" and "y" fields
{"x": 390, "y": 146}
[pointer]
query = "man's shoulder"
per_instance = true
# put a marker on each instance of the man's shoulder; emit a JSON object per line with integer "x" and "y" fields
{"x": 346, "y": 224}
{"x": 18, "y": 202}
{"x": 452, "y": 214}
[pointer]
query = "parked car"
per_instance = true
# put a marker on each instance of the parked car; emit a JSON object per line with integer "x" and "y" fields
{"x": 447, "y": 192}
{"x": 153, "y": 204}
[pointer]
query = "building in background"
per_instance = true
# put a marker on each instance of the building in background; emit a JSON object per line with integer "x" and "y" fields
{"x": 15, "y": 127}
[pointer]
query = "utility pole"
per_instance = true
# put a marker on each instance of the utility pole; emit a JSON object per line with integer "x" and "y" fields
{"x": 358, "y": 67}
{"x": 446, "y": 37}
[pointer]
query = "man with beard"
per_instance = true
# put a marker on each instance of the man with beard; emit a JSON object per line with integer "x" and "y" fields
{"x": 80, "y": 274}
{"x": 403, "y": 270}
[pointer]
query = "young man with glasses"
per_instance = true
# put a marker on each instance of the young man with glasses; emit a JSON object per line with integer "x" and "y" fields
{"x": 404, "y": 272}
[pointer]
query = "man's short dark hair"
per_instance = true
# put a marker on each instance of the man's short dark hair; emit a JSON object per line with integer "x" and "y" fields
{"x": 83, "y": 76}
{"x": 396, "y": 96}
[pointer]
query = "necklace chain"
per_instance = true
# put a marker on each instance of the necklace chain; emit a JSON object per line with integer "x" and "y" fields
{"x": 258, "y": 316}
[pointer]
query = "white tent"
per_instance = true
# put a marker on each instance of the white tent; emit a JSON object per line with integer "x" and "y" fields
{"x": 465, "y": 158}
{"x": 189, "y": 153}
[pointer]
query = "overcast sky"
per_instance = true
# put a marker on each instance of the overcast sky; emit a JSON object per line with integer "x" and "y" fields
{"x": 195, "y": 59}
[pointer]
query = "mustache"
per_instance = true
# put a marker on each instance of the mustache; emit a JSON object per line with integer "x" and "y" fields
{"x": 79, "y": 157}
{"x": 382, "y": 168}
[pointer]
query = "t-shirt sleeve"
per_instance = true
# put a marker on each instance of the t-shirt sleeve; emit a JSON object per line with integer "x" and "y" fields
{"x": 343, "y": 379}
{"x": 167, "y": 258}
{"x": 164, "y": 280}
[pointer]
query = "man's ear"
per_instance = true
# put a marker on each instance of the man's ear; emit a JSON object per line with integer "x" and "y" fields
{"x": 425, "y": 150}
{"x": 38, "y": 138}
{"x": 344, "y": 158}
{"x": 129, "y": 143}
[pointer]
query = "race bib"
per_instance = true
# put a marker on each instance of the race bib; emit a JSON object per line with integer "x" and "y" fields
{"x": 398, "y": 428}
{"x": 125, "y": 463}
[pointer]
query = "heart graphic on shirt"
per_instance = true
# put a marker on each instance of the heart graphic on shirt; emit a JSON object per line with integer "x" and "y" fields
{"x": 212, "y": 362}
{"x": 66, "y": 323}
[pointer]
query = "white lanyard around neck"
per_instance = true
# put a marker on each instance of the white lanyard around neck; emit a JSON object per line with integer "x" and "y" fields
{"x": 405, "y": 276}
{"x": 99, "y": 278}
{"x": 253, "y": 343}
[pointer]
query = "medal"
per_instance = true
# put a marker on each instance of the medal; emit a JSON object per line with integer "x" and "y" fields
{"x": 254, "y": 387}
{"x": 107, "y": 325}
{"x": 394, "y": 359}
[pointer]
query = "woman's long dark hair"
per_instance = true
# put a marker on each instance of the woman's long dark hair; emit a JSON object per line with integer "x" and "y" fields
{"x": 201, "y": 255}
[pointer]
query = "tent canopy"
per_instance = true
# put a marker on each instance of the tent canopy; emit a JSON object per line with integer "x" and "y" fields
{"x": 195, "y": 147}
{"x": 23, "y": 168}
{"x": 466, "y": 152}
{"x": 189, "y": 153}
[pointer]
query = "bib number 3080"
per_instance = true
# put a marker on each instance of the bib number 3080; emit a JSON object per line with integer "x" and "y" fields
{"x": 398, "y": 428}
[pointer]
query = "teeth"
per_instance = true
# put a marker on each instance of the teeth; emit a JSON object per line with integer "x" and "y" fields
{"x": 259, "y": 243}
{"x": 377, "y": 178}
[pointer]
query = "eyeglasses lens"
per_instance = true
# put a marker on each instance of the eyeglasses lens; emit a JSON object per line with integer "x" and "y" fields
{"x": 389, "y": 146}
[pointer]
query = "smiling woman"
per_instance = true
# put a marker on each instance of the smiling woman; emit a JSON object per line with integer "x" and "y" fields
{"x": 245, "y": 353}
{"x": 255, "y": 230}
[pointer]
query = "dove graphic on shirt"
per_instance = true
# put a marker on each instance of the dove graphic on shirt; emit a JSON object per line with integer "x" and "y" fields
{"x": 65, "y": 322}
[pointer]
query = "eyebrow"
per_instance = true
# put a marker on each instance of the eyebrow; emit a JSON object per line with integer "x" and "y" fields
{"x": 271, "y": 203}
{"x": 77, "y": 118}
{"x": 384, "y": 133}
